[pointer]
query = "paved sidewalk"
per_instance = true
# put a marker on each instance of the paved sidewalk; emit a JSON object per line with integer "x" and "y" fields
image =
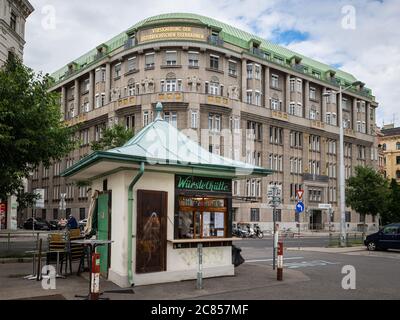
{"x": 329, "y": 250}
{"x": 248, "y": 276}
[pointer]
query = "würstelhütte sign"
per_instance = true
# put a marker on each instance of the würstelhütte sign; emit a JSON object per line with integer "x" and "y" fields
{"x": 203, "y": 184}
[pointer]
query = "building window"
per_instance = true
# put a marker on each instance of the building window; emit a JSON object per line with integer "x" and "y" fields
{"x": 313, "y": 95}
{"x": 275, "y": 104}
{"x": 398, "y": 160}
{"x": 398, "y": 174}
{"x": 170, "y": 58}
{"x": 257, "y": 72}
{"x": 275, "y": 135}
{"x": 214, "y": 88}
{"x": 214, "y": 122}
{"x": 254, "y": 215}
{"x": 257, "y": 98}
{"x": 348, "y": 217}
{"x": 82, "y": 213}
{"x": 13, "y": 21}
{"x": 149, "y": 60}
{"x": 249, "y": 71}
{"x": 194, "y": 119}
{"x": 117, "y": 70}
{"x": 171, "y": 118}
{"x": 275, "y": 81}
{"x": 314, "y": 143}
{"x": 201, "y": 218}
{"x": 145, "y": 118}
{"x": 84, "y": 137}
{"x": 249, "y": 97}
{"x": 131, "y": 64}
{"x": 296, "y": 139}
{"x": 130, "y": 123}
{"x": 232, "y": 66}
{"x": 171, "y": 85}
{"x": 100, "y": 75}
{"x": 278, "y": 215}
{"x": 214, "y": 62}
{"x": 314, "y": 167}
{"x": 254, "y": 130}
{"x": 292, "y": 85}
{"x": 193, "y": 59}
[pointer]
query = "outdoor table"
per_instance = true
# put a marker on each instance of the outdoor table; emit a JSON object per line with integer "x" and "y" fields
{"x": 92, "y": 245}
{"x": 58, "y": 262}
{"x": 34, "y": 275}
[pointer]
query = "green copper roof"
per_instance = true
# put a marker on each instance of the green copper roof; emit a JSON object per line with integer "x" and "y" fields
{"x": 228, "y": 33}
{"x": 160, "y": 143}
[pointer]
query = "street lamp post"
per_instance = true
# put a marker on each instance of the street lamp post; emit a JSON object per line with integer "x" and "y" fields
{"x": 342, "y": 182}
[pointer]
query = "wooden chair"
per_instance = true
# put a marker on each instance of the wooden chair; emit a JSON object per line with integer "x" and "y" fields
{"x": 57, "y": 249}
{"x": 75, "y": 252}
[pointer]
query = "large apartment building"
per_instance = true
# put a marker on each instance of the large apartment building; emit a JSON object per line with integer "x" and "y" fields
{"x": 212, "y": 76}
{"x": 389, "y": 140}
{"x": 13, "y": 15}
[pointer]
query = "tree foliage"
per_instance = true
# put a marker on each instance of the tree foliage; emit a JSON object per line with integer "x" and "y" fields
{"x": 30, "y": 128}
{"x": 113, "y": 137}
{"x": 392, "y": 214}
{"x": 367, "y": 192}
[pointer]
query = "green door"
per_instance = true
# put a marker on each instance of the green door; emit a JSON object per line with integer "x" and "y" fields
{"x": 103, "y": 231}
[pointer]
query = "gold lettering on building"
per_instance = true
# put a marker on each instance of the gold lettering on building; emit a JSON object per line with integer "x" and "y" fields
{"x": 172, "y": 33}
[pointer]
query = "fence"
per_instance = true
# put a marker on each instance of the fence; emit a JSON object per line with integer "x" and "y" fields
{"x": 352, "y": 239}
{"x": 16, "y": 244}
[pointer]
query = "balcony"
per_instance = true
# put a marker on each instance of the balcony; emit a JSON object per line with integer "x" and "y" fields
{"x": 316, "y": 178}
{"x": 317, "y": 124}
{"x": 217, "y": 100}
{"x": 170, "y": 97}
{"x": 280, "y": 115}
{"x": 216, "y": 41}
{"x": 127, "y": 101}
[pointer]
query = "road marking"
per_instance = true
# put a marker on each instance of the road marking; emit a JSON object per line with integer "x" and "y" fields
{"x": 267, "y": 260}
{"x": 306, "y": 264}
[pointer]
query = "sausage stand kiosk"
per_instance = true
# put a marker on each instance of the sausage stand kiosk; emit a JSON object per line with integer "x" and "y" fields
{"x": 163, "y": 194}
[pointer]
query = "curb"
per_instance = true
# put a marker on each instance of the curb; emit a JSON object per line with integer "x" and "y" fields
{"x": 15, "y": 260}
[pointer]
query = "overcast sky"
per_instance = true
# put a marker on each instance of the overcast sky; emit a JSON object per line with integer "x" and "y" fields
{"x": 359, "y": 36}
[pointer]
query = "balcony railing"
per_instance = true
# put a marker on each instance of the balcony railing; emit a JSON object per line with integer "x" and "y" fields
{"x": 314, "y": 177}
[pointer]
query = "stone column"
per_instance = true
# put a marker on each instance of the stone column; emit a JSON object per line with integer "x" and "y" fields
{"x": 76, "y": 97}
{"x": 354, "y": 115}
{"x": 108, "y": 83}
{"x": 306, "y": 100}
{"x": 267, "y": 85}
{"x": 244, "y": 80}
{"x": 323, "y": 104}
{"x": 63, "y": 102}
{"x": 368, "y": 117}
{"x": 287, "y": 95}
{"x": 91, "y": 89}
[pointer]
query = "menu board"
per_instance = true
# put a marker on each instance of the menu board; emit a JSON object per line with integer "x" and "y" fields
{"x": 219, "y": 220}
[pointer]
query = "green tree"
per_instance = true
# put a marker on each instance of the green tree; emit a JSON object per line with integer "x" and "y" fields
{"x": 392, "y": 214}
{"x": 30, "y": 128}
{"x": 113, "y": 137}
{"x": 367, "y": 192}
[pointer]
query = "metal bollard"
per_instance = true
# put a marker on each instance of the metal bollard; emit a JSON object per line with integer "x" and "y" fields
{"x": 280, "y": 262}
{"x": 200, "y": 267}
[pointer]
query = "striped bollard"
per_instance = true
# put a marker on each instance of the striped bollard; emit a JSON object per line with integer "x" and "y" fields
{"x": 280, "y": 261}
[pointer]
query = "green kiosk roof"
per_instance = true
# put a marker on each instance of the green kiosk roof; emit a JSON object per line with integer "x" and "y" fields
{"x": 162, "y": 147}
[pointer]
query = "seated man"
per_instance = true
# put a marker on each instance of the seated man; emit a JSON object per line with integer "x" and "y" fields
{"x": 72, "y": 223}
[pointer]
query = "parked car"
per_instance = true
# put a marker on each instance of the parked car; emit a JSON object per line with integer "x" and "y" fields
{"x": 82, "y": 224}
{"x": 387, "y": 238}
{"x": 39, "y": 224}
{"x": 53, "y": 224}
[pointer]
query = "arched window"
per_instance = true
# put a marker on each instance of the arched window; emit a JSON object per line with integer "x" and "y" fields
{"x": 171, "y": 84}
{"x": 131, "y": 87}
{"x": 214, "y": 86}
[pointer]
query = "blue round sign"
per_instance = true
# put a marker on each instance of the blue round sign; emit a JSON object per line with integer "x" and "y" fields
{"x": 300, "y": 207}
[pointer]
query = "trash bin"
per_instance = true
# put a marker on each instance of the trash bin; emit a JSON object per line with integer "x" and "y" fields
{"x": 237, "y": 258}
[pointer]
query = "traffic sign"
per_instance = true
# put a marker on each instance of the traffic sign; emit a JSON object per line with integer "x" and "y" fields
{"x": 300, "y": 207}
{"x": 324, "y": 206}
{"x": 300, "y": 194}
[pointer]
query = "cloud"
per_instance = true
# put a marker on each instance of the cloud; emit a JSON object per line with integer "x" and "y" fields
{"x": 311, "y": 27}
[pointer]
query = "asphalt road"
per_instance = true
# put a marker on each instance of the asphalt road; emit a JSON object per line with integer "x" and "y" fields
{"x": 377, "y": 273}
{"x": 287, "y": 242}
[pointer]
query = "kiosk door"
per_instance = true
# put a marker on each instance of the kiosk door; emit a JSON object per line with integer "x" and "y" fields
{"x": 104, "y": 227}
{"x": 151, "y": 239}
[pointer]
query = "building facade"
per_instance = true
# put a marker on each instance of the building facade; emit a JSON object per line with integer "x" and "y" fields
{"x": 279, "y": 109}
{"x": 390, "y": 141}
{"x": 13, "y": 15}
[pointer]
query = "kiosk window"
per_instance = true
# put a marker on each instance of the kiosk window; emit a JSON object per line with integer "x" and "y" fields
{"x": 201, "y": 218}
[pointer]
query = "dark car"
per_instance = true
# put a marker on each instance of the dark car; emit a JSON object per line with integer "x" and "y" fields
{"x": 387, "y": 238}
{"x": 53, "y": 224}
{"x": 40, "y": 224}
